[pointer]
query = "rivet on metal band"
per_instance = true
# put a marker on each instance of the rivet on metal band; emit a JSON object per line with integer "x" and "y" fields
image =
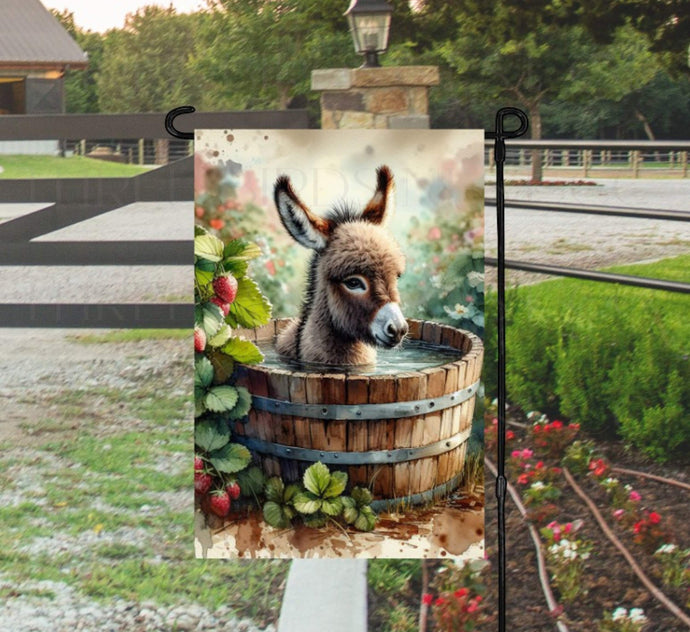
{"x": 371, "y": 457}
{"x": 392, "y": 410}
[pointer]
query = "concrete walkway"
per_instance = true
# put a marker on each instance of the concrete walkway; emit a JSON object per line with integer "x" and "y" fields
{"x": 325, "y": 595}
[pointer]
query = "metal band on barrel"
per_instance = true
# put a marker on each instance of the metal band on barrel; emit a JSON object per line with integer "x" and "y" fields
{"x": 392, "y": 410}
{"x": 373, "y": 457}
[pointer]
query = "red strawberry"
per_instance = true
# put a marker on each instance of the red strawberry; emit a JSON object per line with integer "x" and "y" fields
{"x": 224, "y": 307}
{"x": 225, "y": 288}
{"x": 199, "y": 339}
{"x": 198, "y": 463}
{"x": 233, "y": 490}
{"x": 219, "y": 503}
{"x": 202, "y": 482}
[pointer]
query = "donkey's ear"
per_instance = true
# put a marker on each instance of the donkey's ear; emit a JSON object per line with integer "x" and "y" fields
{"x": 381, "y": 205}
{"x": 306, "y": 228}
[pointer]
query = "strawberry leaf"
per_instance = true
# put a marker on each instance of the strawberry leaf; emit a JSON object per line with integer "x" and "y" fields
{"x": 307, "y": 503}
{"x": 203, "y": 372}
{"x": 336, "y": 486}
{"x": 243, "y": 350}
{"x": 243, "y": 405}
{"x": 251, "y": 481}
{"x": 211, "y": 434}
{"x": 231, "y": 458}
{"x": 240, "y": 249}
{"x": 221, "y": 398}
{"x": 250, "y": 308}
{"x": 223, "y": 365}
{"x": 208, "y": 247}
{"x": 209, "y": 317}
{"x": 275, "y": 515}
{"x": 317, "y": 478}
{"x": 221, "y": 337}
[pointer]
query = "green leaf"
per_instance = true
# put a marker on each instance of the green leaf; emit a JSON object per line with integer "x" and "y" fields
{"x": 275, "y": 515}
{"x": 238, "y": 267}
{"x": 199, "y": 230}
{"x": 241, "y": 249}
{"x": 290, "y": 492}
{"x": 251, "y": 481}
{"x": 221, "y": 398}
{"x": 231, "y": 458}
{"x": 317, "y": 478}
{"x": 204, "y": 265}
{"x": 366, "y": 520}
{"x": 221, "y": 337}
{"x": 336, "y": 486}
{"x": 209, "y": 317}
{"x": 306, "y": 502}
{"x": 361, "y": 496}
{"x": 242, "y": 350}
{"x": 199, "y": 408}
{"x": 315, "y": 520}
{"x": 223, "y": 365}
{"x": 332, "y": 506}
{"x": 202, "y": 277}
{"x": 208, "y": 247}
{"x": 250, "y": 307}
{"x": 243, "y": 405}
{"x": 274, "y": 488}
{"x": 350, "y": 510}
{"x": 211, "y": 434}
{"x": 203, "y": 372}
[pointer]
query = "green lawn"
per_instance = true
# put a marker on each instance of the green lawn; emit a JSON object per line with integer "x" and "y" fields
{"x": 15, "y": 167}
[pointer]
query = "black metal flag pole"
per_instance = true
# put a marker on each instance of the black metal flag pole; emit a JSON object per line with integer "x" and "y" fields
{"x": 499, "y": 135}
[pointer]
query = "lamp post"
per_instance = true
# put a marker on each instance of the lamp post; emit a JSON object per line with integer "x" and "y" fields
{"x": 370, "y": 23}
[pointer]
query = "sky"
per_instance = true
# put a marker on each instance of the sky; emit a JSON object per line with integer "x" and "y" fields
{"x": 101, "y": 16}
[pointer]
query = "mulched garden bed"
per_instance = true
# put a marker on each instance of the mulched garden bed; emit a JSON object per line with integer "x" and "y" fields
{"x": 609, "y": 582}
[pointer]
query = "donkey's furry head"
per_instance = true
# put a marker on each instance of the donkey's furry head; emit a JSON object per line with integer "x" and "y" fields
{"x": 352, "y": 300}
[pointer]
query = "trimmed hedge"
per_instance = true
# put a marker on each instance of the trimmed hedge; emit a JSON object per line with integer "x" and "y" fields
{"x": 613, "y": 358}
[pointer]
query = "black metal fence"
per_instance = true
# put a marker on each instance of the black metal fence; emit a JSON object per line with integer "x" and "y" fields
{"x": 594, "y": 275}
{"x": 72, "y": 200}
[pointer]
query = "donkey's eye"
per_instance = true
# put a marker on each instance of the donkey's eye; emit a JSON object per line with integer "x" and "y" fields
{"x": 355, "y": 284}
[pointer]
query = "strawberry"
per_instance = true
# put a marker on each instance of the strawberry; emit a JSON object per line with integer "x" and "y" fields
{"x": 202, "y": 482}
{"x": 199, "y": 339}
{"x": 224, "y": 307}
{"x": 233, "y": 490}
{"x": 198, "y": 464}
{"x": 219, "y": 503}
{"x": 225, "y": 288}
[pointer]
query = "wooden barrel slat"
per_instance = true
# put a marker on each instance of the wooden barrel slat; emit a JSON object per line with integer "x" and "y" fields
{"x": 430, "y": 426}
{"x": 357, "y": 392}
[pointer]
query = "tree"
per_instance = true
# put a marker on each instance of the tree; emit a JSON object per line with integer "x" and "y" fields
{"x": 80, "y": 85}
{"x": 146, "y": 65}
{"x": 258, "y": 54}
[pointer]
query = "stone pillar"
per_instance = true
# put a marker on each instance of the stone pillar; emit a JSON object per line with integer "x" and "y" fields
{"x": 389, "y": 97}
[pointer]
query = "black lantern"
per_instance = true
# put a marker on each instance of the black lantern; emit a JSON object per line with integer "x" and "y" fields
{"x": 370, "y": 23}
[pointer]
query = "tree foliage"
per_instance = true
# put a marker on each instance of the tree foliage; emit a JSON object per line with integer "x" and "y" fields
{"x": 81, "y": 94}
{"x": 146, "y": 66}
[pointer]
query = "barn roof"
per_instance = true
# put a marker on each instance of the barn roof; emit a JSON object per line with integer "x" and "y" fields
{"x": 30, "y": 36}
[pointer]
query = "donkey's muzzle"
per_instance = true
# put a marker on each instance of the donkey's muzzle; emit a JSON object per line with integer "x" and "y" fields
{"x": 389, "y": 326}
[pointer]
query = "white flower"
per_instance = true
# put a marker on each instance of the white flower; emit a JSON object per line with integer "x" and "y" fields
{"x": 457, "y": 312}
{"x": 620, "y": 613}
{"x": 667, "y": 548}
{"x": 537, "y": 485}
{"x": 637, "y": 615}
{"x": 475, "y": 278}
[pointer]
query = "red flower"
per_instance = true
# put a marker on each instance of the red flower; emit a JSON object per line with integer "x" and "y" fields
{"x": 460, "y": 592}
{"x": 472, "y": 607}
{"x": 556, "y": 424}
{"x": 478, "y": 598}
{"x": 654, "y": 518}
{"x": 638, "y": 527}
{"x": 439, "y": 601}
{"x": 539, "y": 465}
{"x": 510, "y": 434}
{"x": 523, "y": 479}
{"x": 536, "y": 429}
{"x": 427, "y": 599}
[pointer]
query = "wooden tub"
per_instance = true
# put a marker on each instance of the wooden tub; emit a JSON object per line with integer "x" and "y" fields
{"x": 404, "y": 436}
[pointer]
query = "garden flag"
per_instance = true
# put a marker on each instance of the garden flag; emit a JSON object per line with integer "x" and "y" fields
{"x": 339, "y": 289}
